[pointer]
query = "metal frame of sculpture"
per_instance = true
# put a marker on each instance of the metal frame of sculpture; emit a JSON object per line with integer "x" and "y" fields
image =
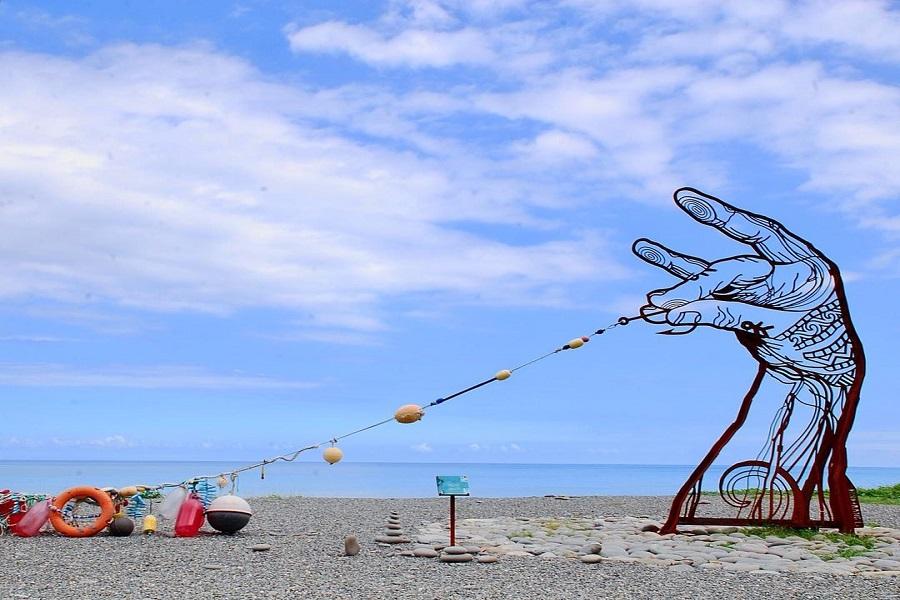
{"x": 786, "y": 305}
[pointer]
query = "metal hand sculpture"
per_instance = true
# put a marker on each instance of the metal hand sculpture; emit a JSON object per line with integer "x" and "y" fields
{"x": 786, "y": 305}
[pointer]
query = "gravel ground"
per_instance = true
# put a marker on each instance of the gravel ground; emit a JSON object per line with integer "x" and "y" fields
{"x": 306, "y": 538}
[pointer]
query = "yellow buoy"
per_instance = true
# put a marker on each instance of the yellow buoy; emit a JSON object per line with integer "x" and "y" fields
{"x": 149, "y": 525}
{"x": 576, "y": 343}
{"x": 332, "y": 455}
{"x": 501, "y": 375}
{"x": 409, "y": 413}
{"x": 222, "y": 481}
{"x": 129, "y": 491}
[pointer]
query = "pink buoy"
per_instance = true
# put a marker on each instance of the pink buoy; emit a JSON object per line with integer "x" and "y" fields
{"x": 34, "y": 519}
{"x": 190, "y": 517}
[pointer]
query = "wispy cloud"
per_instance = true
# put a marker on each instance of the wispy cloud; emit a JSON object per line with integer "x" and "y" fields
{"x": 154, "y": 377}
{"x": 35, "y": 339}
{"x": 307, "y": 213}
{"x": 423, "y": 448}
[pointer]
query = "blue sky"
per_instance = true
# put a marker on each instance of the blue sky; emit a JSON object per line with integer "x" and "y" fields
{"x": 231, "y": 229}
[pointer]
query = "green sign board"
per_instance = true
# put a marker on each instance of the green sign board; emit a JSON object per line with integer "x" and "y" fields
{"x": 453, "y": 485}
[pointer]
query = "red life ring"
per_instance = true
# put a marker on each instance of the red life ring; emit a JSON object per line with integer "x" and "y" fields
{"x": 107, "y": 510}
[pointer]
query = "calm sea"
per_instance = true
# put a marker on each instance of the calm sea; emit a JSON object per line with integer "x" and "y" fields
{"x": 384, "y": 480}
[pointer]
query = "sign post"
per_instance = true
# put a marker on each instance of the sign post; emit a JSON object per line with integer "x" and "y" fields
{"x": 453, "y": 486}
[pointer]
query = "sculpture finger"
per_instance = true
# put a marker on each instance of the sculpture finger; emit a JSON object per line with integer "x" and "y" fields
{"x": 722, "y": 277}
{"x": 733, "y": 316}
{"x": 680, "y": 265}
{"x": 768, "y": 237}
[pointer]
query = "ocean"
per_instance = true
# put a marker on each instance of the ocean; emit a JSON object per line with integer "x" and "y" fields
{"x": 384, "y": 480}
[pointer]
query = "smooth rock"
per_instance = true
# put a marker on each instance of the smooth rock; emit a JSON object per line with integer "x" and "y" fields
{"x": 455, "y": 558}
{"x": 594, "y": 548}
{"x": 425, "y": 553}
{"x": 487, "y": 559}
{"x": 260, "y": 547}
{"x": 681, "y": 569}
{"x": 456, "y": 550}
{"x": 591, "y": 559}
{"x": 351, "y": 546}
{"x": 391, "y": 539}
{"x": 213, "y": 567}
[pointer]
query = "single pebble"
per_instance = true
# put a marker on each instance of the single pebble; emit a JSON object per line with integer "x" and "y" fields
{"x": 260, "y": 547}
{"x": 213, "y": 567}
{"x": 487, "y": 559}
{"x": 455, "y": 558}
{"x": 590, "y": 558}
{"x": 351, "y": 546}
{"x": 425, "y": 553}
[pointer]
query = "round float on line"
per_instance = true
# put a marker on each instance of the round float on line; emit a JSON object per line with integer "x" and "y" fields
{"x": 409, "y": 413}
{"x": 332, "y": 455}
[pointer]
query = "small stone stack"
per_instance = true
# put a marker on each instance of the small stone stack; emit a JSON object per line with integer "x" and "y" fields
{"x": 394, "y": 532}
{"x": 456, "y": 554}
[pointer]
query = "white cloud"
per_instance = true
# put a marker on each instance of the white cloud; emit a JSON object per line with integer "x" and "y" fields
{"x": 153, "y": 377}
{"x": 412, "y": 47}
{"x": 109, "y": 441}
{"x": 423, "y": 448}
{"x": 193, "y": 183}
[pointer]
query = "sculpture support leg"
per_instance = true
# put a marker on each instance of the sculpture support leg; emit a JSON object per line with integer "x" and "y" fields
{"x": 671, "y": 523}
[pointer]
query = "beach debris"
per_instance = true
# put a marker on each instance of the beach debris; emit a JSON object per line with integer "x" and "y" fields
{"x": 35, "y": 518}
{"x": 332, "y": 454}
{"x": 228, "y": 514}
{"x": 351, "y": 546}
{"x": 121, "y": 527}
{"x": 190, "y": 517}
{"x": 149, "y": 524}
{"x": 170, "y": 506}
{"x": 65, "y": 505}
{"x": 260, "y": 547}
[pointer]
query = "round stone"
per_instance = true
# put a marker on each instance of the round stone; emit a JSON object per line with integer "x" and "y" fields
{"x": 260, "y": 547}
{"x": 590, "y": 559}
{"x": 455, "y": 558}
{"x": 456, "y": 550}
{"x": 392, "y": 539}
{"x": 487, "y": 559}
{"x": 425, "y": 553}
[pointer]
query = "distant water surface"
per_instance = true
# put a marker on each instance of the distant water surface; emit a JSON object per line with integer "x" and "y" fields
{"x": 385, "y": 480}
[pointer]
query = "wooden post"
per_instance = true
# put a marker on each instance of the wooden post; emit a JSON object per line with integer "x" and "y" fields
{"x": 452, "y": 520}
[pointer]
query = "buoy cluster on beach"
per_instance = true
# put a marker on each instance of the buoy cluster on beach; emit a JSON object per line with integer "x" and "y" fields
{"x": 85, "y": 511}
{"x": 189, "y": 503}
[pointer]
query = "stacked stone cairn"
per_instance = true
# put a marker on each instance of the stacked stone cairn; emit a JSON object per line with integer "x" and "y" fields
{"x": 394, "y": 531}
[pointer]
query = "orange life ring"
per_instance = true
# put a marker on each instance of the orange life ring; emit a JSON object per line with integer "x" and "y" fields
{"x": 85, "y": 491}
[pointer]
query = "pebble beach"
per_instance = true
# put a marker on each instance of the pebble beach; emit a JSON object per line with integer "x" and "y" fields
{"x": 562, "y": 547}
